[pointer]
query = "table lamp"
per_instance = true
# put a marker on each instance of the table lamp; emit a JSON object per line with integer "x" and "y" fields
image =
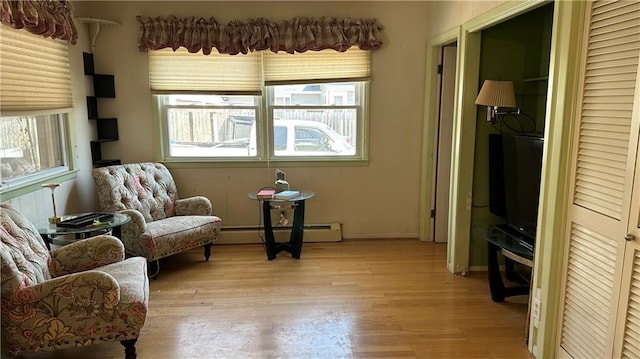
{"x": 52, "y": 187}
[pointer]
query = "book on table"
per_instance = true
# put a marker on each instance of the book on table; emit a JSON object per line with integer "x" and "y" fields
{"x": 286, "y": 194}
{"x": 266, "y": 193}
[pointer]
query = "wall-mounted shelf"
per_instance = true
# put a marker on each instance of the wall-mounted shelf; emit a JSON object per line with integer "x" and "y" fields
{"x": 95, "y": 25}
{"x": 536, "y": 79}
{"x": 106, "y": 128}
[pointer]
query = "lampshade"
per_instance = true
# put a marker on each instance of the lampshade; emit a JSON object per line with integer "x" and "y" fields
{"x": 497, "y": 93}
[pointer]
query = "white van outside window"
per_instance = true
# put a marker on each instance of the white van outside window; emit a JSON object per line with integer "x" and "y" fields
{"x": 305, "y": 138}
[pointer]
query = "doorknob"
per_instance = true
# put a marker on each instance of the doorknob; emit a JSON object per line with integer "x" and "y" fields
{"x": 629, "y": 237}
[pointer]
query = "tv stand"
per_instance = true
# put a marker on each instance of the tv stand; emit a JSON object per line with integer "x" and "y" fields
{"x": 504, "y": 240}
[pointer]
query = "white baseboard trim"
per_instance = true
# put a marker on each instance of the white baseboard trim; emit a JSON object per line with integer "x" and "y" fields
{"x": 380, "y": 235}
{"x": 331, "y": 232}
{"x": 479, "y": 268}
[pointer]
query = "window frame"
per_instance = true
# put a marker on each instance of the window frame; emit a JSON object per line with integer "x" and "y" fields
{"x": 361, "y": 107}
{"x": 33, "y": 182}
{"x": 264, "y": 135}
{"x": 162, "y": 106}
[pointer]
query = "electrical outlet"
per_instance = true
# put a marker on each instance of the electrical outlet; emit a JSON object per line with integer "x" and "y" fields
{"x": 535, "y": 312}
{"x": 535, "y": 308}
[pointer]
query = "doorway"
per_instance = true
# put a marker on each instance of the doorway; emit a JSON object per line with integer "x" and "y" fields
{"x": 447, "y": 59}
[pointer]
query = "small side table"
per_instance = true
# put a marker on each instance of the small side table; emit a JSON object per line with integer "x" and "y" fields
{"x": 500, "y": 239}
{"x": 294, "y": 246}
{"x": 48, "y": 231}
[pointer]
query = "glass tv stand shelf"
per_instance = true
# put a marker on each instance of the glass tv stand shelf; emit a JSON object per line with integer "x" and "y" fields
{"x": 514, "y": 248}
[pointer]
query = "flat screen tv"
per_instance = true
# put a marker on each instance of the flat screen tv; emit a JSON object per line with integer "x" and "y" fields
{"x": 515, "y": 163}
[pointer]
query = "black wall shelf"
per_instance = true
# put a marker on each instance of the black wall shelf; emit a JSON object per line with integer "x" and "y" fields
{"x": 107, "y": 128}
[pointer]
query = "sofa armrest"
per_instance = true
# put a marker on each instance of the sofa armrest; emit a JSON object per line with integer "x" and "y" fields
{"x": 64, "y": 293}
{"x": 86, "y": 254}
{"x": 193, "y": 206}
{"x": 132, "y": 231}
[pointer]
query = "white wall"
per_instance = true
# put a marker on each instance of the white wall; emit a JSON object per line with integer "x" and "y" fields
{"x": 453, "y": 13}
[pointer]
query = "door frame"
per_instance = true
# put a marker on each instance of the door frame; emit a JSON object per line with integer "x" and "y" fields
{"x": 443, "y": 135}
{"x": 431, "y": 118}
{"x": 559, "y": 118}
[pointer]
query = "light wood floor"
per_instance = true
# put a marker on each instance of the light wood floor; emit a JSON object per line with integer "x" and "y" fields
{"x": 389, "y": 298}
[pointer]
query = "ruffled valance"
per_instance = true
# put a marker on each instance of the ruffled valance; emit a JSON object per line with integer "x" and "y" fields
{"x": 295, "y": 35}
{"x": 49, "y": 18}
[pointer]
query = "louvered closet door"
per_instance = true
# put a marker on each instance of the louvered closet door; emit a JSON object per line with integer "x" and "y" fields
{"x": 600, "y": 262}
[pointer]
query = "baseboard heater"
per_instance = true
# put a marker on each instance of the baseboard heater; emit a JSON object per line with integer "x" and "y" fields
{"x": 331, "y": 232}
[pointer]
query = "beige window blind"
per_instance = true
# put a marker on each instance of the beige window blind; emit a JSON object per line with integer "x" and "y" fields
{"x": 34, "y": 72}
{"x": 317, "y": 66}
{"x": 181, "y": 71}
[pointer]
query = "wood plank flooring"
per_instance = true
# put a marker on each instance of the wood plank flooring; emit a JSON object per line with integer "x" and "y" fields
{"x": 380, "y": 298}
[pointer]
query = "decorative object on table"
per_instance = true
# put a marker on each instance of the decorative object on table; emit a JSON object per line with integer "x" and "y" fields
{"x": 85, "y": 220}
{"x": 286, "y": 194}
{"x": 281, "y": 181}
{"x": 161, "y": 223}
{"x": 80, "y": 294}
{"x": 52, "y": 187}
{"x": 265, "y": 193}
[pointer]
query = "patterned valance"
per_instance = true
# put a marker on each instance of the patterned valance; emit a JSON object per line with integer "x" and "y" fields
{"x": 49, "y": 18}
{"x": 295, "y": 35}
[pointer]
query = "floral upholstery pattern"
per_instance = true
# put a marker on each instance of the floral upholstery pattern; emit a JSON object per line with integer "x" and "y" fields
{"x": 77, "y": 295}
{"x": 161, "y": 223}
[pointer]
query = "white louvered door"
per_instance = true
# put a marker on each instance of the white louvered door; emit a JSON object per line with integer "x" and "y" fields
{"x": 602, "y": 268}
{"x": 627, "y": 338}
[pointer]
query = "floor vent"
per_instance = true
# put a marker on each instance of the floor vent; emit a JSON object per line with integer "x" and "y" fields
{"x": 331, "y": 232}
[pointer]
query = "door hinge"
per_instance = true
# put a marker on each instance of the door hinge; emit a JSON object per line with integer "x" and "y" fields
{"x": 433, "y": 213}
{"x": 440, "y": 69}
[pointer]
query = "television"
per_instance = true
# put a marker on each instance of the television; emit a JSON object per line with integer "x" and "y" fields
{"x": 515, "y": 164}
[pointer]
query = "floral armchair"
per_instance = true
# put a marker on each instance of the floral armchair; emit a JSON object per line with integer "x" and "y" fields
{"x": 80, "y": 294}
{"x": 161, "y": 223}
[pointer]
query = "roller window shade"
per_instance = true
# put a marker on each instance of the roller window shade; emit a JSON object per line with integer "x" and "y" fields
{"x": 182, "y": 71}
{"x": 317, "y": 66}
{"x": 34, "y": 72}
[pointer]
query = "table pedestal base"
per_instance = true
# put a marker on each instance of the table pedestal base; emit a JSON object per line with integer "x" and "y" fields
{"x": 294, "y": 246}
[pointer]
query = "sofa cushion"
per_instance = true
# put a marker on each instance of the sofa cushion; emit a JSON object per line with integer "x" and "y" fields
{"x": 176, "y": 234}
{"x": 146, "y": 187}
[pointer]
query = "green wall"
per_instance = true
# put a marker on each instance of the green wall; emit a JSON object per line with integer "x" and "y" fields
{"x": 516, "y": 50}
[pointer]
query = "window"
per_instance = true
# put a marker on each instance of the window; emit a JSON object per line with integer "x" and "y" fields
{"x": 201, "y": 126}
{"x": 312, "y": 123}
{"x": 31, "y": 146}
{"x": 211, "y": 107}
{"x": 35, "y": 98}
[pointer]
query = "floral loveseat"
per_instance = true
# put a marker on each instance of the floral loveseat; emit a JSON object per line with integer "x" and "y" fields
{"x": 76, "y": 295}
{"x": 161, "y": 223}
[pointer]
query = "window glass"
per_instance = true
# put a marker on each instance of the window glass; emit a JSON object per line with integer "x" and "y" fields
{"x": 210, "y": 125}
{"x": 324, "y": 118}
{"x": 31, "y": 146}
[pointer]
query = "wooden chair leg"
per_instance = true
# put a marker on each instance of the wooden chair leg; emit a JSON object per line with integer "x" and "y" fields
{"x": 153, "y": 268}
{"x": 207, "y": 251}
{"x": 129, "y": 348}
